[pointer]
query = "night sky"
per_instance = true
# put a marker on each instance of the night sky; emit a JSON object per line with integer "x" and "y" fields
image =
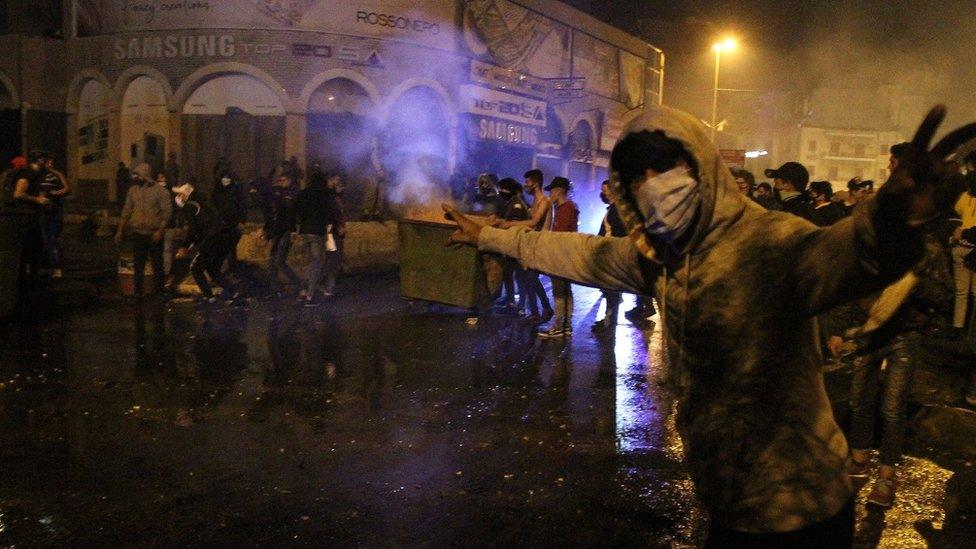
{"x": 929, "y": 47}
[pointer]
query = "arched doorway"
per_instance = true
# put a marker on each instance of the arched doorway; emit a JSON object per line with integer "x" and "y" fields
{"x": 235, "y": 119}
{"x": 10, "y": 121}
{"x": 94, "y": 102}
{"x": 144, "y": 124}
{"x": 415, "y": 146}
{"x": 340, "y": 130}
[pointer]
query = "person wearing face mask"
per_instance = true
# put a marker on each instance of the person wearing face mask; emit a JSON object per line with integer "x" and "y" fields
{"x": 512, "y": 208}
{"x": 612, "y": 225}
{"x": 741, "y": 287}
{"x": 540, "y": 219}
{"x": 147, "y": 211}
{"x": 208, "y": 242}
{"x": 231, "y": 205}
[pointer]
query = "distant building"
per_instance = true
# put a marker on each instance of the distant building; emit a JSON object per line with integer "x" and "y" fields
{"x": 839, "y": 134}
{"x": 445, "y": 85}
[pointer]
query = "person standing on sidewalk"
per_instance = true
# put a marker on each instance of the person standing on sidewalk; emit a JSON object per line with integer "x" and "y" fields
{"x": 27, "y": 192}
{"x": 278, "y": 227}
{"x": 55, "y": 187}
{"x": 893, "y": 334}
{"x": 336, "y": 232}
{"x": 612, "y": 226}
{"x": 564, "y": 220}
{"x": 315, "y": 217}
{"x": 147, "y": 210}
{"x": 539, "y": 220}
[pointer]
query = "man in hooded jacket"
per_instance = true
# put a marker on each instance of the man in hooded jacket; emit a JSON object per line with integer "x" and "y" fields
{"x": 740, "y": 288}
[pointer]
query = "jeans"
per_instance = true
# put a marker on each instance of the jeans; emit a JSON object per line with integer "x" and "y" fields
{"x": 143, "y": 247}
{"x": 865, "y": 381}
{"x": 209, "y": 262}
{"x": 613, "y": 306}
{"x": 314, "y": 246}
{"x": 278, "y": 261}
{"x": 562, "y": 294}
{"x": 965, "y": 285}
{"x": 531, "y": 286}
{"x": 333, "y": 265}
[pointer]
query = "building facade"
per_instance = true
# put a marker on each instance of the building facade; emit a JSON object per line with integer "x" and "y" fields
{"x": 424, "y": 89}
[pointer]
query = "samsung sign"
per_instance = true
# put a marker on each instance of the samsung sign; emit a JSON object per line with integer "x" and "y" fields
{"x": 204, "y": 45}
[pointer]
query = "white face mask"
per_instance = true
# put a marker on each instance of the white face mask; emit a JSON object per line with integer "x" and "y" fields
{"x": 180, "y": 200}
{"x": 225, "y": 181}
{"x": 669, "y": 202}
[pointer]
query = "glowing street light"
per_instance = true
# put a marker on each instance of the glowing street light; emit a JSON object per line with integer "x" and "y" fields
{"x": 727, "y": 45}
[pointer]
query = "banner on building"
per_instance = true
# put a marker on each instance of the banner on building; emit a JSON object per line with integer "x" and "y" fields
{"x": 426, "y": 22}
{"x": 509, "y": 80}
{"x": 504, "y": 132}
{"x": 516, "y": 37}
{"x": 506, "y": 106}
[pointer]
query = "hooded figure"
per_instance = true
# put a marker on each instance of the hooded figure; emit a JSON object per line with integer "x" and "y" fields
{"x": 740, "y": 287}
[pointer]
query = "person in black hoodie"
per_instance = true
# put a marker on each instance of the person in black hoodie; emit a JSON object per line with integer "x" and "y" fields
{"x": 825, "y": 211}
{"x": 207, "y": 241}
{"x": 316, "y": 215}
{"x": 231, "y": 206}
{"x": 279, "y": 223}
{"x": 612, "y": 226}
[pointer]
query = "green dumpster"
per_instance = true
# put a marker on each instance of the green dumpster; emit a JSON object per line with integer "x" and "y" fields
{"x": 13, "y": 225}
{"x": 431, "y": 271}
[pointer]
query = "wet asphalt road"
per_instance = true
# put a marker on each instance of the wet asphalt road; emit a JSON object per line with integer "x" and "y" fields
{"x": 367, "y": 421}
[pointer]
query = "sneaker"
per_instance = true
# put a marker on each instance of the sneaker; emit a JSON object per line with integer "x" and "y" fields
{"x": 858, "y": 470}
{"x": 555, "y": 333}
{"x": 883, "y": 492}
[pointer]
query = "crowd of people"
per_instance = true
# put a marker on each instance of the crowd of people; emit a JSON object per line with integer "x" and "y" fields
{"x": 745, "y": 273}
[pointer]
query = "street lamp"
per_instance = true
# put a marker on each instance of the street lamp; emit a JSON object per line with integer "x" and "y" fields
{"x": 728, "y": 44}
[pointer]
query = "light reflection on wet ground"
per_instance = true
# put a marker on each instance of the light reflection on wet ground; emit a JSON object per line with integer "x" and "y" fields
{"x": 367, "y": 421}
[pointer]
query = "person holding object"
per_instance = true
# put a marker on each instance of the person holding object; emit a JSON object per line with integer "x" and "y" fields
{"x": 147, "y": 210}
{"x": 740, "y": 287}
{"x": 208, "y": 242}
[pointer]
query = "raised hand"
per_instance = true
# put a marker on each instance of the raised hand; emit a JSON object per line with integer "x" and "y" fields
{"x": 925, "y": 183}
{"x": 468, "y": 231}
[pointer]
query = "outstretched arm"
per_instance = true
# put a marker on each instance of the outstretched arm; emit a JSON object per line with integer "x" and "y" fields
{"x": 883, "y": 239}
{"x": 608, "y": 263}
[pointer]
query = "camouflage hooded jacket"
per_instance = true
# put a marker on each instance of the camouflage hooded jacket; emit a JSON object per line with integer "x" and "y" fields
{"x": 740, "y": 301}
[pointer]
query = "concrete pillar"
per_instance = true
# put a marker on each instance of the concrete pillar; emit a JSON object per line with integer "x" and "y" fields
{"x": 296, "y": 128}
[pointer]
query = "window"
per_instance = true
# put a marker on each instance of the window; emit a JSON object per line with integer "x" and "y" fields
{"x": 832, "y": 173}
{"x": 834, "y": 148}
{"x": 812, "y": 146}
{"x": 859, "y": 151}
{"x": 884, "y": 150}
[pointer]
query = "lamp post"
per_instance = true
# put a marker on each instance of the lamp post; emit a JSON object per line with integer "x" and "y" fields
{"x": 728, "y": 44}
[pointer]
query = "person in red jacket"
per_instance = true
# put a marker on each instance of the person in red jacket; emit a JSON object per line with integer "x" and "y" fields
{"x": 565, "y": 219}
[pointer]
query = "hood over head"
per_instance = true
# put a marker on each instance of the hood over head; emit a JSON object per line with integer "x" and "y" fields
{"x": 721, "y": 202}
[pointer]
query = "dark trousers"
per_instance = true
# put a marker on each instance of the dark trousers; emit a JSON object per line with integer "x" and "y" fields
{"x": 530, "y": 284}
{"x": 865, "y": 387}
{"x": 837, "y": 532}
{"x": 143, "y": 247}
{"x": 209, "y": 262}
{"x": 613, "y": 306}
{"x": 278, "y": 261}
{"x": 52, "y": 224}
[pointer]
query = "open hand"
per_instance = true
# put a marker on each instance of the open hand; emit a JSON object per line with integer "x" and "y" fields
{"x": 468, "y": 231}
{"x": 925, "y": 183}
